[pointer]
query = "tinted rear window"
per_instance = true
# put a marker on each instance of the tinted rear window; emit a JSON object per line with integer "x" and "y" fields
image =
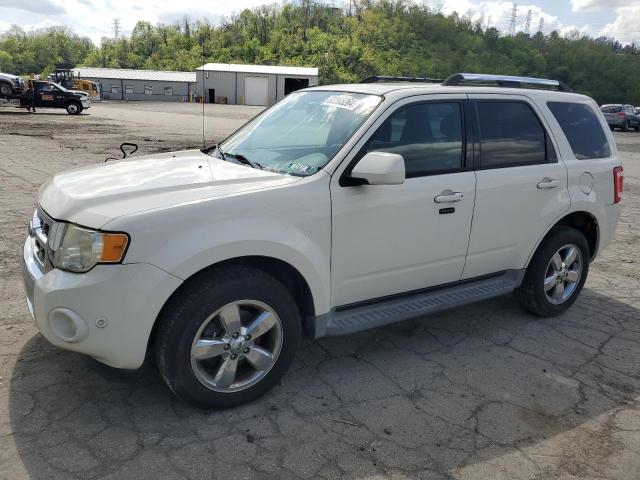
{"x": 611, "y": 109}
{"x": 582, "y": 129}
{"x": 510, "y": 135}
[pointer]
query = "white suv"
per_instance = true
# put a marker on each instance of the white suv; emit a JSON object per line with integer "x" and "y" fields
{"x": 339, "y": 209}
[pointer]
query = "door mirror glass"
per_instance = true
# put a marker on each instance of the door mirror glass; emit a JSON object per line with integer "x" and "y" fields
{"x": 380, "y": 168}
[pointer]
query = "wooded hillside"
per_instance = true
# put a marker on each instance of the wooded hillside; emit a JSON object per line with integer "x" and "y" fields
{"x": 386, "y": 38}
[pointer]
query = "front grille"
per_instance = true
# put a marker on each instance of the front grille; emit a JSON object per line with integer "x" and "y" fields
{"x": 39, "y": 231}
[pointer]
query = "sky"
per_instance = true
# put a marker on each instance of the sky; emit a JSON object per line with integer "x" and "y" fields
{"x": 94, "y": 18}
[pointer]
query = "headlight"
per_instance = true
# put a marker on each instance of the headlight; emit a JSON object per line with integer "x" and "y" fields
{"x": 79, "y": 249}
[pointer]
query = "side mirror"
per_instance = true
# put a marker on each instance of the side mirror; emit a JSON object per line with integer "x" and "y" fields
{"x": 379, "y": 168}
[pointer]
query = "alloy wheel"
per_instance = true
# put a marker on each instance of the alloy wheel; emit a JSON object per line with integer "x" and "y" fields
{"x": 236, "y": 346}
{"x": 563, "y": 274}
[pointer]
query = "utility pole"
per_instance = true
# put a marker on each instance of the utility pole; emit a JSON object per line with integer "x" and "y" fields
{"x": 527, "y": 24}
{"x": 541, "y": 25}
{"x": 514, "y": 18}
{"x": 116, "y": 28}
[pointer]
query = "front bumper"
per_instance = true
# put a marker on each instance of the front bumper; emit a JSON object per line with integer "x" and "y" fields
{"x": 86, "y": 104}
{"x": 107, "y": 313}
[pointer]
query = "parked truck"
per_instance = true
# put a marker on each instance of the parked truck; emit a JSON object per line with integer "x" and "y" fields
{"x": 45, "y": 94}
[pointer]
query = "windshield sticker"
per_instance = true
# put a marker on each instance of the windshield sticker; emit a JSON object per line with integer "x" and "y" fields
{"x": 342, "y": 101}
{"x": 300, "y": 167}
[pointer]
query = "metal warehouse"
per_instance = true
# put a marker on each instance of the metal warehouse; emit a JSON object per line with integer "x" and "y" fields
{"x": 127, "y": 84}
{"x": 251, "y": 84}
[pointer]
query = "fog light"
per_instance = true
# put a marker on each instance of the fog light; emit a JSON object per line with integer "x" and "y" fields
{"x": 68, "y": 325}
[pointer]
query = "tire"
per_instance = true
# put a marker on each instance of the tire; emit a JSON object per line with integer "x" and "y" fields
{"x": 637, "y": 127}
{"x": 625, "y": 127}
{"x": 6, "y": 90}
{"x": 74, "y": 108}
{"x": 198, "y": 322}
{"x": 549, "y": 301}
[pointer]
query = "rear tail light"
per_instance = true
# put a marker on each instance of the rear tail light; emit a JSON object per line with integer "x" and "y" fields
{"x": 618, "y": 180}
{"x": 621, "y": 114}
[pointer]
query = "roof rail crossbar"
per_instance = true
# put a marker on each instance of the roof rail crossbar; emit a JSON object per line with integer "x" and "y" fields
{"x": 480, "y": 79}
{"x": 383, "y": 78}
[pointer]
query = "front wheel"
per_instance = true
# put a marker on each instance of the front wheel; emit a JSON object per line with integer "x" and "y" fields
{"x": 227, "y": 337}
{"x": 625, "y": 127}
{"x": 73, "y": 108}
{"x": 556, "y": 274}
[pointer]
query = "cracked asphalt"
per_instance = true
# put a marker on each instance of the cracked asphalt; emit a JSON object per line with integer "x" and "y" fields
{"x": 480, "y": 392}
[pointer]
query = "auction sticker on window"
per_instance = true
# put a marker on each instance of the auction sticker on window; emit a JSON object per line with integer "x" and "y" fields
{"x": 342, "y": 101}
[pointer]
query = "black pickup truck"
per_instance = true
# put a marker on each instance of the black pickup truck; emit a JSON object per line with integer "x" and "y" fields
{"x": 46, "y": 95}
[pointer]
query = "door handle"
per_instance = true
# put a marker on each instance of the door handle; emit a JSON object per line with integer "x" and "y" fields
{"x": 547, "y": 182}
{"x": 448, "y": 196}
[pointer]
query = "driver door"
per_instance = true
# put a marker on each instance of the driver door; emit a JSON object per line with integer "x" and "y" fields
{"x": 44, "y": 94}
{"x": 392, "y": 239}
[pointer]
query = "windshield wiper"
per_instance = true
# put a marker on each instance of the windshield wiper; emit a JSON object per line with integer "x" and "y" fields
{"x": 213, "y": 148}
{"x": 242, "y": 159}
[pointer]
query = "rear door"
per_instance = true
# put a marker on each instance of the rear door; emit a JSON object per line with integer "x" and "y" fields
{"x": 521, "y": 184}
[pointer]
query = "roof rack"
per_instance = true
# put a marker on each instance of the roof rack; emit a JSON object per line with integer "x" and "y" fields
{"x": 382, "y": 79}
{"x": 480, "y": 79}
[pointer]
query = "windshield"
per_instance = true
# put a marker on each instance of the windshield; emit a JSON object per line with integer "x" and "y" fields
{"x": 59, "y": 87}
{"x": 611, "y": 108}
{"x": 300, "y": 134}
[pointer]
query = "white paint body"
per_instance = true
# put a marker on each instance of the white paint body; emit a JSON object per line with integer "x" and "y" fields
{"x": 186, "y": 211}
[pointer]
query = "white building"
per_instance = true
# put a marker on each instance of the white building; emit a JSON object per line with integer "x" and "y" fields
{"x": 128, "y": 84}
{"x": 251, "y": 84}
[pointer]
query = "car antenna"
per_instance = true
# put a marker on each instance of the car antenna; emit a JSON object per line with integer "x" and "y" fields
{"x": 202, "y": 39}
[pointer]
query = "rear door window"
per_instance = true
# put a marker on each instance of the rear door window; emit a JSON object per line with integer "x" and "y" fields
{"x": 582, "y": 129}
{"x": 510, "y": 135}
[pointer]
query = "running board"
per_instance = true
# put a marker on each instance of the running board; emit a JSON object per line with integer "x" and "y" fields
{"x": 356, "y": 318}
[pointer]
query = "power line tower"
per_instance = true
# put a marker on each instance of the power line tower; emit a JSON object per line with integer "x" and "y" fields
{"x": 527, "y": 23}
{"x": 540, "y": 24}
{"x": 514, "y": 19}
{"x": 481, "y": 22}
{"x": 116, "y": 28}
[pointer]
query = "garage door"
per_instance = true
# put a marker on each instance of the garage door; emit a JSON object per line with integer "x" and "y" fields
{"x": 256, "y": 90}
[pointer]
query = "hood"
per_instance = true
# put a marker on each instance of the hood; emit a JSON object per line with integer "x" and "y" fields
{"x": 92, "y": 196}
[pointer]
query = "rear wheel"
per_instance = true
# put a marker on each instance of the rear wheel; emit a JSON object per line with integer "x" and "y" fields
{"x": 227, "y": 337}
{"x": 556, "y": 274}
{"x": 5, "y": 89}
{"x": 73, "y": 108}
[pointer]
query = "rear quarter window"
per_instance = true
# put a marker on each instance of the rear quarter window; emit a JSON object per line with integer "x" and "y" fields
{"x": 582, "y": 128}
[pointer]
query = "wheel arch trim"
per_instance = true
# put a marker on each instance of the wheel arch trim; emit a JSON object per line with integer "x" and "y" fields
{"x": 563, "y": 218}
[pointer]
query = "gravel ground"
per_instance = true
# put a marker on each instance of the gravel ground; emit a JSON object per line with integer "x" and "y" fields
{"x": 480, "y": 392}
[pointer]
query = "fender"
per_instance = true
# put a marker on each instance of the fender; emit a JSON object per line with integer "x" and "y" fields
{"x": 286, "y": 224}
{"x": 576, "y": 207}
